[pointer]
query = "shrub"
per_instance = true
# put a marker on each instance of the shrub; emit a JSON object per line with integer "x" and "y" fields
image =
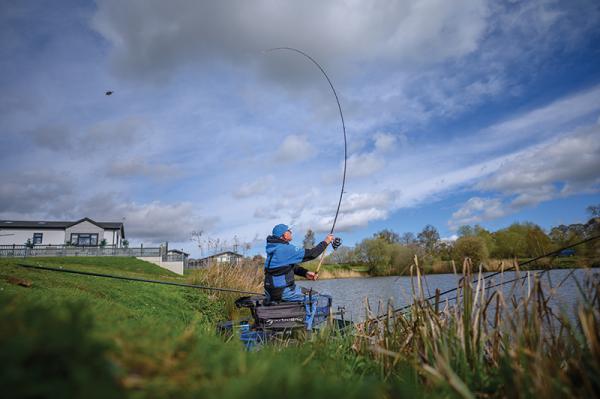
{"x": 471, "y": 247}
{"x": 401, "y": 258}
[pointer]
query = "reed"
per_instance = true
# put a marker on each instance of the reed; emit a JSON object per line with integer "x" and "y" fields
{"x": 493, "y": 340}
{"x": 243, "y": 276}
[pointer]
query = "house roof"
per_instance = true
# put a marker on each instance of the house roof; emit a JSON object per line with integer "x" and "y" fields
{"x": 223, "y": 253}
{"x": 40, "y": 224}
{"x": 177, "y": 251}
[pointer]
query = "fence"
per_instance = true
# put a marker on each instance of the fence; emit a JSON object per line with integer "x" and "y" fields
{"x": 23, "y": 251}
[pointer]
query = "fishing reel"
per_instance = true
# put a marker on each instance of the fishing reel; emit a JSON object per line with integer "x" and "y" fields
{"x": 337, "y": 242}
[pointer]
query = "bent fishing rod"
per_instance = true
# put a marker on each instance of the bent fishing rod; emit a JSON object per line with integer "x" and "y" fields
{"x": 403, "y": 309}
{"x": 140, "y": 280}
{"x": 343, "y": 130}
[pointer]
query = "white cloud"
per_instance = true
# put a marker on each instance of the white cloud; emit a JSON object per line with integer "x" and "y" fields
{"x": 361, "y": 165}
{"x": 559, "y": 167}
{"x": 254, "y": 188}
{"x": 356, "y": 219}
{"x": 476, "y": 210}
{"x": 571, "y": 159}
{"x": 154, "y": 38}
{"x": 294, "y": 149}
{"x": 384, "y": 142}
{"x": 159, "y": 222}
{"x": 360, "y": 201}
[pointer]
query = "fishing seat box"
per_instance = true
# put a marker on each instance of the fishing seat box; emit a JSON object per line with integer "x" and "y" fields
{"x": 284, "y": 315}
{"x": 274, "y": 315}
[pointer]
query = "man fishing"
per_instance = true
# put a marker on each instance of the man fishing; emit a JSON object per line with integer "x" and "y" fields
{"x": 282, "y": 264}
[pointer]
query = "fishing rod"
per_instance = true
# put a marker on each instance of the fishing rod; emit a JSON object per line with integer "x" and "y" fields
{"x": 553, "y": 253}
{"x": 343, "y": 129}
{"x": 141, "y": 280}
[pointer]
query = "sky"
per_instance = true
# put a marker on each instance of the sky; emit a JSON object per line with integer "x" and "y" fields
{"x": 466, "y": 112}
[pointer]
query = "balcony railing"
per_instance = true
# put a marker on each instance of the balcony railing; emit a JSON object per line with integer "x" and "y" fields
{"x": 23, "y": 251}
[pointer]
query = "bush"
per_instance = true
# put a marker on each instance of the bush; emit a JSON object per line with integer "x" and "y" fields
{"x": 384, "y": 258}
{"x": 376, "y": 255}
{"x": 401, "y": 258}
{"x": 471, "y": 247}
{"x": 51, "y": 353}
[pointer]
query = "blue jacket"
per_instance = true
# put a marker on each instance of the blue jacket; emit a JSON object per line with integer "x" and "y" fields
{"x": 282, "y": 264}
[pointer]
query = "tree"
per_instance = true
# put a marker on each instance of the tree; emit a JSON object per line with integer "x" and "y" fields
{"x": 388, "y": 236}
{"x": 408, "y": 239}
{"x": 465, "y": 231}
{"x": 521, "y": 240}
{"x": 342, "y": 255}
{"x": 594, "y": 210}
{"x": 538, "y": 243}
{"x": 125, "y": 243}
{"x": 375, "y": 254}
{"x": 309, "y": 239}
{"x": 103, "y": 243}
{"x": 487, "y": 236}
{"x": 472, "y": 247}
{"x": 428, "y": 238}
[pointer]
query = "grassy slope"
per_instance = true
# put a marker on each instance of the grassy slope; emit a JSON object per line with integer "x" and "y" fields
{"x": 161, "y": 341}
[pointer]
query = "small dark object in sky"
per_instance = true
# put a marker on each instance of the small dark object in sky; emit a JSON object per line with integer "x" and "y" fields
{"x": 108, "y": 93}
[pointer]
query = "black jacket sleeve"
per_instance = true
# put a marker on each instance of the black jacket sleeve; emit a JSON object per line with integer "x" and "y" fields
{"x": 310, "y": 254}
{"x": 300, "y": 271}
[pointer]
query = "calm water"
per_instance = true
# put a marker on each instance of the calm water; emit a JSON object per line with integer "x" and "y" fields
{"x": 353, "y": 292}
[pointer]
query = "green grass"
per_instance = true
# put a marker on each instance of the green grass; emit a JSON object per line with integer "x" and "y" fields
{"x": 79, "y": 336}
{"x": 149, "y": 340}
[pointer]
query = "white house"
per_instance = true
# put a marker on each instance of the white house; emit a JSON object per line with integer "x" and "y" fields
{"x": 221, "y": 258}
{"x": 84, "y": 232}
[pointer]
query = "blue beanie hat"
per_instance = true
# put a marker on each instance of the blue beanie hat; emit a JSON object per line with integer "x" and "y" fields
{"x": 280, "y": 229}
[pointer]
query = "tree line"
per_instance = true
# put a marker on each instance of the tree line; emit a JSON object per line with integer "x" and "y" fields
{"x": 391, "y": 253}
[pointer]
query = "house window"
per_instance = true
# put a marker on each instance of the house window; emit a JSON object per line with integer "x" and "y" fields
{"x": 84, "y": 239}
{"x": 37, "y": 238}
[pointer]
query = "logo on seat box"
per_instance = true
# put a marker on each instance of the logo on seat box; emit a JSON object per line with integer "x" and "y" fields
{"x": 270, "y": 322}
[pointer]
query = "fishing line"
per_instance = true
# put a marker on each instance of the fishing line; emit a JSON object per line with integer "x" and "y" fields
{"x": 141, "y": 280}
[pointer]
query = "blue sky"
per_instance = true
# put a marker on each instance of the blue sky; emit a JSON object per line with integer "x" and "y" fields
{"x": 457, "y": 113}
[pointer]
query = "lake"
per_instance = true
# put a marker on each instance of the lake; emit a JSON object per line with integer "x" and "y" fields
{"x": 352, "y": 293}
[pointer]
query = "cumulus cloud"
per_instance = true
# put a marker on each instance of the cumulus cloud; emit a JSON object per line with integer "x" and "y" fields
{"x": 560, "y": 167}
{"x": 117, "y": 135}
{"x": 294, "y": 149}
{"x": 570, "y": 160}
{"x": 153, "y": 38}
{"x": 356, "y": 219}
{"x": 35, "y": 192}
{"x": 367, "y": 163}
{"x": 476, "y": 210}
{"x": 254, "y": 188}
{"x": 361, "y": 165}
{"x": 47, "y": 196}
{"x": 266, "y": 212}
{"x": 360, "y": 201}
{"x": 140, "y": 167}
{"x": 53, "y": 137}
{"x": 159, "y": 222}
{"x": 384, "y": 142}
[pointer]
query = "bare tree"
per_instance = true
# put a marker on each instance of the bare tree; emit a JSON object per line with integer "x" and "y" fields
{"x": 309, "y": 239}
{"x": 428, "y": 238}
{"x": 197, "y": 238}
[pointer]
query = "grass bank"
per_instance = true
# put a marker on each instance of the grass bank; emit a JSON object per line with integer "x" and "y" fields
{"x": 78, "y": 336}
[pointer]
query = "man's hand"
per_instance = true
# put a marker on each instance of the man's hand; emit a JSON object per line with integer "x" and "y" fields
{"x": 312, "y": 275}
{"x": 329, "y": 238}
